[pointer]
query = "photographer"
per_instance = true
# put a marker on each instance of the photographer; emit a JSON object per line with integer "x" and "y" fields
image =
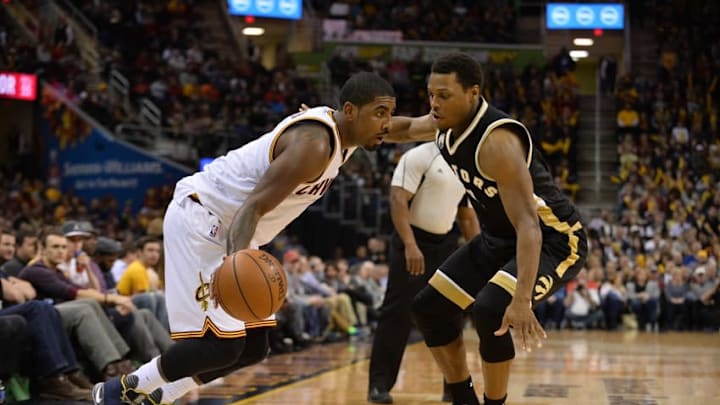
{"x": 583, "y": 306}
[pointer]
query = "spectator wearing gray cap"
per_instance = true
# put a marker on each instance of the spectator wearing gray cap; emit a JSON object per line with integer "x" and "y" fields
{"x": 78, "y": 267}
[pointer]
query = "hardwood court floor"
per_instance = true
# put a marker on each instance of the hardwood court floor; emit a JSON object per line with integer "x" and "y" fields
{"x": 573, "y": 367}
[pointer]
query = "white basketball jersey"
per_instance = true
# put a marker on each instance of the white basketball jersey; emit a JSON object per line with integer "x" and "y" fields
{"x": 225, "y": 183}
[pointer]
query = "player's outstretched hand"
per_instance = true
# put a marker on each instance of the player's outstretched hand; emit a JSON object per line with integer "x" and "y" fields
{"x": 520, "y": 317}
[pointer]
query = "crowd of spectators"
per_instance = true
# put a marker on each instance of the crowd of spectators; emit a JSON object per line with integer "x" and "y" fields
{"x": 80, "y": 322}
{"x": 202, "y": 96}
{"x": 199, "y": 91}
{"x": 54, "y": 56}
{"x": 665, "y": 227}
{"x": 455, "y": 21}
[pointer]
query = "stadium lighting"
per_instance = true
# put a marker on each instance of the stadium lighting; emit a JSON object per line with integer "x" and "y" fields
{"x": 583, "y": 42}
{"x": 253, "y": 31}
{"x": 579, "y": 54}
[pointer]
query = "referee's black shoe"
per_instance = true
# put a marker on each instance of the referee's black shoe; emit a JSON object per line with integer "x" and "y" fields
{"x": 379, "y": 397}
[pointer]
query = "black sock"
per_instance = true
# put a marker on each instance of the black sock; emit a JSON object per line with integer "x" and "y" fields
{"x": 463, "y": 393}
{"x": 494, "y": 401}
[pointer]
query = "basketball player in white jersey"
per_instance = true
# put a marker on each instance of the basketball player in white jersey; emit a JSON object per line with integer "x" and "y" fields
{"x": 244, "y": 199}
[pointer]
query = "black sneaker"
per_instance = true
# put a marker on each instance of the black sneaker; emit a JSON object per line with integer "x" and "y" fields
{"x": 447, "y": 395}
{"x": 155, "y": 398}
{"x": 379, "y": 397}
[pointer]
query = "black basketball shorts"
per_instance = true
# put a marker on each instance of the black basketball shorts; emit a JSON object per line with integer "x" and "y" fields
{"x": 487, "y": 259}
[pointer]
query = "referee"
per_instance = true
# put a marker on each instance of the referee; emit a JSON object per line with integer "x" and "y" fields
{"x": 425, "y": 198}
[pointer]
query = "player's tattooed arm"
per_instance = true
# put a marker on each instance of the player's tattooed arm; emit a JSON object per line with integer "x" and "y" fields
{"x": 301, "y": 155}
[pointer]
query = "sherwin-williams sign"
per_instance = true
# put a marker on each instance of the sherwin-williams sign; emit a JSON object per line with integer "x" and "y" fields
{"x": 82, "y": 159}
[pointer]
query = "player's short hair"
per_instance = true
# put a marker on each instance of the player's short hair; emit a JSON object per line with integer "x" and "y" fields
{"x": 466, "y": 68}
{"x": 362, "y": 88}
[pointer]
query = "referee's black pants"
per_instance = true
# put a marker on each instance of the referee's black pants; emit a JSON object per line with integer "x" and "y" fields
{"x": 394, "y": 324}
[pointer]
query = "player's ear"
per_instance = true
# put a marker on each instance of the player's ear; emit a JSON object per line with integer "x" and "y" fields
{"x": 475, "y": 92}
{"x": 349, "y": 109}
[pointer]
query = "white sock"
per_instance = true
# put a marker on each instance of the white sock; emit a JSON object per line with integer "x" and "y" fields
{"x": 176, "y": 389}
{"x": 149, "y": 376}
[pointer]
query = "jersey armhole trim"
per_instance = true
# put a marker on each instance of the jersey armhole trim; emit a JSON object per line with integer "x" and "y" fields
{"x": 496, "y": 124}
{"x": 335, "y": 147}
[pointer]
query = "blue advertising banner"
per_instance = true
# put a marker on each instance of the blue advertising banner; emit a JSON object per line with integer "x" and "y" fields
{"x": 564, "y": 16}
{"x": 84, "y": 160}
{"x": 288, "y": 9}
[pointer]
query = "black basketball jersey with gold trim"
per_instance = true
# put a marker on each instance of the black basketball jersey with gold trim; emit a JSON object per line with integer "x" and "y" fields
{"x": 556, "y": 212}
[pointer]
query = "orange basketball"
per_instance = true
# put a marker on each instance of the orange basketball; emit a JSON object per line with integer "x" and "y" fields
{"x": 250, "y": 285}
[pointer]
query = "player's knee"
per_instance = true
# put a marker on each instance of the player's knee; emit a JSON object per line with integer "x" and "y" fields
{"x": 421, "y": 308}
{"x": 488, "y": 311}
{"x": 437, "y": 318}
{"x": 257, "y": 347}
{"x": 224, "y": 352}
{"x": 487, "y": 314}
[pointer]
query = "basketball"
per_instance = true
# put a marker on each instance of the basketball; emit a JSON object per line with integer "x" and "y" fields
{"x": 250, "y": 285}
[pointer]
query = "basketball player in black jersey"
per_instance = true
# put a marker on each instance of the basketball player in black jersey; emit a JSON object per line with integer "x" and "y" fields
{"x": 532, "y": 242}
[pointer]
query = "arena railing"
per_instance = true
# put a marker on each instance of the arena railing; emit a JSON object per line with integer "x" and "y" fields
{"x": 119, "y": 87}
{"x": 86, "y": 40}
{"x": 78, "y": 16}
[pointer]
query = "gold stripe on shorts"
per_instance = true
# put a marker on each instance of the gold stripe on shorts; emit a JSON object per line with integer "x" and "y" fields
{"x": 450, "y": 290}
{"x": 260, "y": 324}
{"x": 505, "y": 281}
{"x": 548, "y": 217}
{"x": 573, "y": 256}
{"x": 208, "y": 325}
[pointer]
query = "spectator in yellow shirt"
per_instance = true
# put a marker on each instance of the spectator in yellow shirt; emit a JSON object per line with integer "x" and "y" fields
{"x": 628, "y": 119}
{"x": 136, "y": 278}
{"x": 140, "y": 280}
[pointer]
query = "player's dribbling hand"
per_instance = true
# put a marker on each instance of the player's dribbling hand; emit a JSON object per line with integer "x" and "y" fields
{"x": 213, "y": 293}
{"x": 520, "y": 317}
{"x": 414, "y": 260}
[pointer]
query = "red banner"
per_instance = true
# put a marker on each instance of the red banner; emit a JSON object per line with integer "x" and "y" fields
{"x": 18, "y": 86}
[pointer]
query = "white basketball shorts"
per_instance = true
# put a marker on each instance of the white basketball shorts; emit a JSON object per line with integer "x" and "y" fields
{"x": 195, "y": 243}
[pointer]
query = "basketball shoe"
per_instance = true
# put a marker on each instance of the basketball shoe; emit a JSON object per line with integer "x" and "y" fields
{"x": 123, "y": 390}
